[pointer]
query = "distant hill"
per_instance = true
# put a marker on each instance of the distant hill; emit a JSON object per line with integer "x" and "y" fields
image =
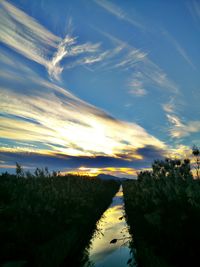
{"x": 109, "y": 177}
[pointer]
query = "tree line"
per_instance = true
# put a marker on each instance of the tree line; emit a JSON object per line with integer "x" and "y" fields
{"x": 163, "y": 211}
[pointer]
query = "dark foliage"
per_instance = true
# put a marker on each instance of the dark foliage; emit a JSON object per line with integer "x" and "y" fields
{"x": 45, "y": 218}
{"x": 163, "y": 210}
{"x": 196, "y": 154}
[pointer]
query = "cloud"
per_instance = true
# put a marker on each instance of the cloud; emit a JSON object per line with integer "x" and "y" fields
{"x": 61, "y": 162}
{"x": 144, "y": 71}
{"x": 194, "y": 8}
{"x": 88, "y": 60}
{"x": 133, "y": 57}
{"x": 52, "y": 115}
{"x": 137, "y": 87}
{"x": 90, "y": 165}
{"x": 152, "y": 74}
{"x": 179, "y": 48}
{"x": 119, "y": 13}
{"x": 169, "y": 107}
{"x": 68, "y": 48}
{"x": 30, "y": 39}
{"x": 54, "y": 68}
{"x": 82, "y": 164}
{"x": 151, "y": 152}
{"x": 38, "y": 44}
{"x": 138, "y": 91}
{"x": 180, "y": 151}
{"x": 179, "y": 129}
{"x": 52, "y": 120}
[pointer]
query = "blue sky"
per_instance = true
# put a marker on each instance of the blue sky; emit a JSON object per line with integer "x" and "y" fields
{"x": 98, "y": 86}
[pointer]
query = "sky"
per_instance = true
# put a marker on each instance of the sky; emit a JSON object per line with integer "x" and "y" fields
{"x": 98, "y": 86}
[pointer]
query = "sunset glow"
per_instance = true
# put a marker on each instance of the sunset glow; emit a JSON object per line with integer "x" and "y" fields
{"x": 79, "y": 98}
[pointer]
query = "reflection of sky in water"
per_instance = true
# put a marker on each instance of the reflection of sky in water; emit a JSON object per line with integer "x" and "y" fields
{"x": 109, "y": 227}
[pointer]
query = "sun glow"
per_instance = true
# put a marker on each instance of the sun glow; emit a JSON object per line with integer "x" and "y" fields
{"x": 88, "y": 171}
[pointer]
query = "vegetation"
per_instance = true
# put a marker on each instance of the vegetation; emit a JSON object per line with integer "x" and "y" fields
{"x": 196, "y": 154}
{"x": 163, "y": 211}
{"x": 46, "y": 218}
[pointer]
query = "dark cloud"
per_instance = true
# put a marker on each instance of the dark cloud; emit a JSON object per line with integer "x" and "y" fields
{"x": 60, "y": 162}
{"x": 150, "y": 152}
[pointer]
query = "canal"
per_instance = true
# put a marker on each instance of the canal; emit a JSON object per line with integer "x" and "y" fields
{"x": 110, "y": 243}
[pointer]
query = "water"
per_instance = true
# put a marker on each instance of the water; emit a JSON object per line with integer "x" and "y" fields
{"x": 111, "y": 226}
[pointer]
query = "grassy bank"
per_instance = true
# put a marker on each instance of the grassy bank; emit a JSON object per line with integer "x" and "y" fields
{"x": 46, "y": 220}
{"x": 163, "y": 211}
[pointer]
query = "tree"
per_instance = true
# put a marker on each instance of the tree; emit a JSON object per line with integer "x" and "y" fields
{"x": 196, "y": 154}
{"x": 19, "y": 170}
{"x": 171, "y": 168}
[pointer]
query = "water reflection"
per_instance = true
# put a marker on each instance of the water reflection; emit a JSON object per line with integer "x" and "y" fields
{"x": 110, "y": 242}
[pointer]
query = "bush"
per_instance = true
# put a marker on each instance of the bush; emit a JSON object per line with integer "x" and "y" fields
{"x": 163, "y": 208}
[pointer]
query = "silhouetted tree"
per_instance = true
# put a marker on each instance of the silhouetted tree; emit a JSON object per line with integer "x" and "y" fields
{"x": 163, "y": 209}
{"x": 19, "y": 170}
{"x": 168, "y": 168}
{"x": 196, "y": 154}
{"x": 28, "y": 174}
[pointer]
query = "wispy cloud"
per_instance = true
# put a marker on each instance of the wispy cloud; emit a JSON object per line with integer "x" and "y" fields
{"x": 194, "y": 8}
{"x": 64, "y": 123}
{"x": 89, "y": 61}
{"x": 180, "y": 129}
{"x": 30, "y": 39}
{"x": 68, "y": 47}
{"x": 144, "y": 71}
{"x": 154, "y": 75}
{"x": 38, "y": 44}
{"x": 38, "y": 116}
{"x": 169, "y": 107}
{"x": 54, "y": 68}
{"x": 175, "y": 120}
{"x": 136, "y": 88}
{"x": 133, "y": 57}
{"x": 179, "y": 48}
{"x": 119, "y": 13}
{"x": 179, "y": 151}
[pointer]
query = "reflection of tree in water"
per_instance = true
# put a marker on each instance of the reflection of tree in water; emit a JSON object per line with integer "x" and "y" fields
{"x": 86, "y": 259}
{"x": 97, "y": 233}
{"x": 126, "y": 241}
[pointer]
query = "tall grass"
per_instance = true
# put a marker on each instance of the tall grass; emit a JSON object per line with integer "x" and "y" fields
{"x": 45, "y": 219}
